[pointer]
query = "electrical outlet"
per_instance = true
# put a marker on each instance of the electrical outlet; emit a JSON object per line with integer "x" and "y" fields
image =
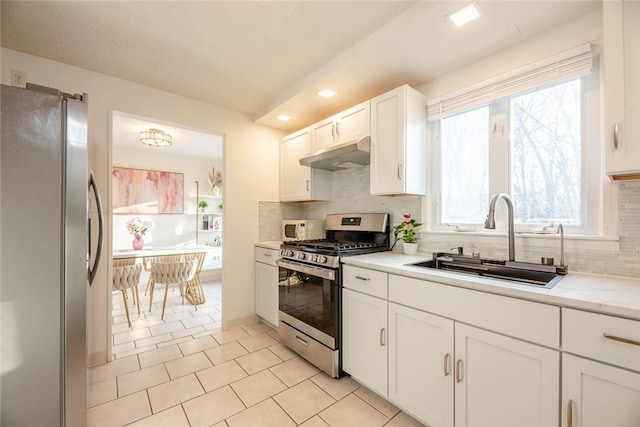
{"x": 18, "y": 78}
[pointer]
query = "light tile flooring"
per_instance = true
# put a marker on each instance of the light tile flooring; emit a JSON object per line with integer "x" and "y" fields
{"x": 185, "y": 371}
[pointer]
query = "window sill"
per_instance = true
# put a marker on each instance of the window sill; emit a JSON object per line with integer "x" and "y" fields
{"x": 571, "y": 242}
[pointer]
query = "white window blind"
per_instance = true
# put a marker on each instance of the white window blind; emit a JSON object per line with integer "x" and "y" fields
{"x": 570, "y": 64}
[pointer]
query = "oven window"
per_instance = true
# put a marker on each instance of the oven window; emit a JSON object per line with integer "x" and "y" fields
{"x": 310, "y": 299}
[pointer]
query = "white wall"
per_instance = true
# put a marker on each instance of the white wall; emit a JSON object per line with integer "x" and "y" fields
{"x": 250, "y": 171}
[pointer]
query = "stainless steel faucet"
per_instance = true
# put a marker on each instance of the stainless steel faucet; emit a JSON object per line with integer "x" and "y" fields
{"x": 490, "y": 222}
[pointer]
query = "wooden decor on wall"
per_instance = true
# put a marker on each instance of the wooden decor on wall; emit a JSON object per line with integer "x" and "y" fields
{"x": 140, "y": 191}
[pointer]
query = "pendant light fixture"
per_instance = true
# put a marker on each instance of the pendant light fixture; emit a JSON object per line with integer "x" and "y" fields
{"x": 156, "y": 138}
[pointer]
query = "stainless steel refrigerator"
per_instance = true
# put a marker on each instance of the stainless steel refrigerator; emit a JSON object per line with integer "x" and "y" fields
{"x": 45, "y": 259}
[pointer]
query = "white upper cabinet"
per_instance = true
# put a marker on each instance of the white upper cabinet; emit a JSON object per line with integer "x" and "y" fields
{"x": 399, "y": 143}
{"x": 622, "y": 90}
{"x": 348, "y": 125}
{"x": 297, "y": 182}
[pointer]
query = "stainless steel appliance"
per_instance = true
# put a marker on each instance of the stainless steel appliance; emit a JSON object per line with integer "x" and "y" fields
{"x": 302, "y": 229}
{"x": 309, "y": 291}
{"x": 45, "y": 261}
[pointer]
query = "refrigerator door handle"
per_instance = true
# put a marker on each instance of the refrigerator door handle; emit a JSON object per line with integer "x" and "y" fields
{"x": 94, "y": 269}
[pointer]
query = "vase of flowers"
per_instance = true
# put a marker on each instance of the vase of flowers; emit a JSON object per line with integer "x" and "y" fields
{"x": 138, "y": 227}
{"x": 406, "y": 231}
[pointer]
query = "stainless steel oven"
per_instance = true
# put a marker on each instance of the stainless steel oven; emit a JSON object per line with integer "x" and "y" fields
{"x": 309, "y": 312}
{"x": 310, "y": 286}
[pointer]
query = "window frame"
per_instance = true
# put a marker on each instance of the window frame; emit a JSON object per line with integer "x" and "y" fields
{"x": 592, "y": 216}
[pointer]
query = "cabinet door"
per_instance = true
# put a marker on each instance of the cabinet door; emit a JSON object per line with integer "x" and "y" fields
{"x": 387, "y": 142}
{"x": 323, "y": 134}
{"x": 364, "y": 329}
{"x": 501, "y": 381}
{"x": 295, "y": 179}
{"x": 594, "y": 394}
{"x": 267, "y": 292}
{"x": 421, "y": 364}
{"x": 622, "y": 80}
{"x": 353, "y": 123}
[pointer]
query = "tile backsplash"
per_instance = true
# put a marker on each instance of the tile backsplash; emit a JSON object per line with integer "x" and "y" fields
{"x": 351, "y": 195}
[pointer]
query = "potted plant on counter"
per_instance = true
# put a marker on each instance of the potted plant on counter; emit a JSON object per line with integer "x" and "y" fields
{"x": 203, "y": 205}
{"x": 406, "y": 231}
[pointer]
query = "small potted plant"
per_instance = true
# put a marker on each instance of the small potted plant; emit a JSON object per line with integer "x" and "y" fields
{"x": 203, "y": 205}
{"x": 406, "y": 231}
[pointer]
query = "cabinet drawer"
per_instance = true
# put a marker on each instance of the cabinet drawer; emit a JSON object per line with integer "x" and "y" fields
{"x": 526, "y": 320}
{"x": 583, "y": 333}
{"x": 267, "y": 256}
{"x": 368, "y": 282}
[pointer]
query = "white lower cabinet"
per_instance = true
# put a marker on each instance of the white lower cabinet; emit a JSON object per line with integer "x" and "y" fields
{"x": 442, "y": 371}
{"x": 595, "y": 394}
{"x": 364, "y": 330}
{"x": 267, "y": 285}
{"x": 501, "y": 381}
{"x": 421, "y": 364}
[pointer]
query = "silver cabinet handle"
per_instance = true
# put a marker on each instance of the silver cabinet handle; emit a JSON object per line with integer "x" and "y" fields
{"x": 301, "y": 341}
{"x": 616, "y": 129}
{"x": 333, "y": 129}
{"x": 362, "y": 278}
{"x": 268, "y": 255}
{"x": 382, "y": 337}
{"x": 570, "y": 413}
{"x": 459, "y": 371}
{"x": 621, "y": 339}
{"x": 447, "y": 365}
{"x": 338, "y": 129}
{"x": 399, "y": 170}
{"x": 308, "y": 182}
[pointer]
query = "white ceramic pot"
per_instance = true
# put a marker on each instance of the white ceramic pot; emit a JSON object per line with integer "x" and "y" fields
{"x": 409, "y": 248}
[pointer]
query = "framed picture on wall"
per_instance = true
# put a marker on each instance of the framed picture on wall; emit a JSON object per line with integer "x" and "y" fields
{"x": 140, "y": 191}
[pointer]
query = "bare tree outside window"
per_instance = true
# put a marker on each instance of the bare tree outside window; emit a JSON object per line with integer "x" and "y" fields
{"x": 546, "y": 154}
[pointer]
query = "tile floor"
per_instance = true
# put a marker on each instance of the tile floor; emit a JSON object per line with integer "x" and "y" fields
{"x": 186, "y": 371}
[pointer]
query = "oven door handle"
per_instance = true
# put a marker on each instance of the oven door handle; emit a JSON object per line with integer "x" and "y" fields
{"x": 323, "y": 273}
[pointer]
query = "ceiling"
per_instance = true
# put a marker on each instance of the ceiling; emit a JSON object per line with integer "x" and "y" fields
{"x": 126, "y": 130}
{"x": 266, "y": 58}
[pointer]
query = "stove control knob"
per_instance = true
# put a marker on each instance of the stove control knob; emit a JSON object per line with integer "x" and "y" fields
{"x": 300, "y": 255}
{"x": 322, "y": 259}
{"x": 286, "y": 252}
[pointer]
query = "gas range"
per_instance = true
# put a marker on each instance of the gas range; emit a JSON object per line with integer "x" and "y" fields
{"x": 347, "y": 234}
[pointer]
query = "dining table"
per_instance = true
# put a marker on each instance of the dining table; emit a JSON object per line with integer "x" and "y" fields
{"x": 195, "y": 292}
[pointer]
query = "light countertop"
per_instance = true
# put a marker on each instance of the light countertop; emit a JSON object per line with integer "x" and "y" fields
{"x": 269, "y": 245}
{"x": 604, "y": 294}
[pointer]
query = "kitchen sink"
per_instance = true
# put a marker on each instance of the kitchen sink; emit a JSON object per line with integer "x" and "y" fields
{"x": 539, "y": 275}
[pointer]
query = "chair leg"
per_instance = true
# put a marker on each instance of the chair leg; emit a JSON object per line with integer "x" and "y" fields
{"x": 147, "y": 288}
{"x": 126, "y": 307}
{"x": 164, "y": 304}
{"x": 135, "y": 292}
{"x": 152, "y": 285}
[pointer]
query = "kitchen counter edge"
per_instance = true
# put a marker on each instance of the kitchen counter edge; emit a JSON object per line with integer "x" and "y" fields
{"x": 269, "y": 245}
{"x": 612, "y": 295}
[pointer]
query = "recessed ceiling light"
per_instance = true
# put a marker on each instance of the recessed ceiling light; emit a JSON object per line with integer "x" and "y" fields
{"x": 465, "y": 14}
{"x": 327, "y": 93}
{"x": 284, "y": 117}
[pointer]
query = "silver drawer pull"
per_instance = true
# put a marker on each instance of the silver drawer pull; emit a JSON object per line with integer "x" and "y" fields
{"x": 447, "y": 365}
{"x": 301, "y": 341}
{"x": 382, "y": 337}
{"x": 621, "y": 339}
{"x": 269, "y": 255}
{"x": 362, "y": 278}
{"x": 459, "y": 371}
{"x": 616, "y": 130}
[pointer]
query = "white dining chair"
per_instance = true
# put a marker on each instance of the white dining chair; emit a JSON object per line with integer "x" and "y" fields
{"x": 171, "y": 273}
{"x": 127, "y": 277}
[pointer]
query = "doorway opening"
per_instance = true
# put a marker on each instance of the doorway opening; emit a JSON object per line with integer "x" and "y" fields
{"x": 172, "y": 197}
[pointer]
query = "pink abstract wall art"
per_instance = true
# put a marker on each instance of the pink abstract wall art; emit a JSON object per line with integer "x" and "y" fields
{"x": 139, "y": 191}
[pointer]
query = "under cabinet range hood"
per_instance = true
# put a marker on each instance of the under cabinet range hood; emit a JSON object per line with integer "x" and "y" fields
{"x": 351, "y": 154}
